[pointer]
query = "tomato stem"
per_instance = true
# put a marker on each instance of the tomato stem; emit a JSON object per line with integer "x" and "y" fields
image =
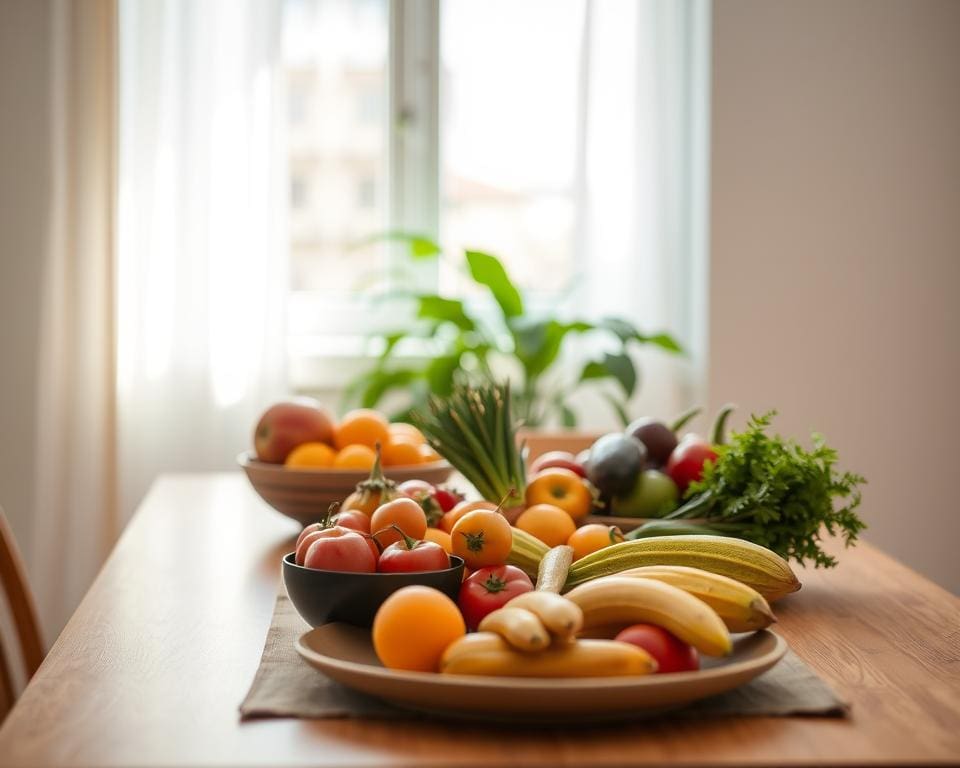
{"x": 410, "y": 542}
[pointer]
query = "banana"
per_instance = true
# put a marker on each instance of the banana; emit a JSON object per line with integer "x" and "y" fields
{"x": 743, "y": 561}
{"x": 742, "y": 608}
{"x": 621, "y": 599}
{"x": 486, "y": 653}
{"x": 553, "y": 569}
{"x": 560, "y": 616}
{"x": 518, "y": 626}
{"x": 526, "y": 552}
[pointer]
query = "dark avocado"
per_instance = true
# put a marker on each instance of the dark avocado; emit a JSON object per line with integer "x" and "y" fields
{"x": 615, "y": 462}
{"x": 657, "y": 437}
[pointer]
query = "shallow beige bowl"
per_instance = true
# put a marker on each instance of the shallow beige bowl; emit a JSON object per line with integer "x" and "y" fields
{"x": 305, "y": 494}
{"x": 345, "y": 653}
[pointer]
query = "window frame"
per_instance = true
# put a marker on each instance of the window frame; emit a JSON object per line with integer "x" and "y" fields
{"x": 333, "y": 345}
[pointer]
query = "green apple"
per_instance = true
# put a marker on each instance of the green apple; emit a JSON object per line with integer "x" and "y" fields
{"x": 654, "y": 494}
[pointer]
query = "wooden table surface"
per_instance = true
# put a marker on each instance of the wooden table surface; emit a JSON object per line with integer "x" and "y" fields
{"x": 151, "y": 668}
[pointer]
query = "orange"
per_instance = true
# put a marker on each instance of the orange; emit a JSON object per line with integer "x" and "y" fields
{"x": 401, "y": 452}
{"x": 404, "y": 513}
{"x": 310, "y": 455}
{"x": 407, "y": 432}
{"x": 482, "y": 538}
{"x": 450, "y": 518}
{"x": 562, "y": 488}
{"x": 355, "y": 457}
{"x": 413, "y": 628}
{"x": 429, "y": 454}
{"x": 548, "y": 523}
{"x": 362, "y": 427}
{"x": 439, "y": 537}
{"x": 593, "y": 537}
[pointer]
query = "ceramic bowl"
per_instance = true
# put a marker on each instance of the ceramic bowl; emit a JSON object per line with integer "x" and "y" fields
{"x": 305, "y": 494}
{"x": 353, "y": 598}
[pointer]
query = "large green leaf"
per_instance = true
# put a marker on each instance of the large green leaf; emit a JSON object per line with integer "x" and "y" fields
{"x": 440, "y": 373}
{"x": 626, "y": 331}
{"x": 433, "y": 307}
{"x": 537, "y": 342}
{"x": 487, "y": 270}
{"x": 617, "y": 366}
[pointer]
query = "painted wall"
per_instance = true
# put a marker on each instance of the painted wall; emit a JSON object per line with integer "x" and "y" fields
{"x": 24, "y": 192}
{"x": 835, "y": 245}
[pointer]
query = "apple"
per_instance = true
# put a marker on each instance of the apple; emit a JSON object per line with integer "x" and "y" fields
{"x": 341, "y": 550}
{"x": 311, "y": 534}
{"x": 654, "y": 494}
{"x": 671, "y": 653}
{"x": 284, "y": 426}
{"x": 557, "y": 459}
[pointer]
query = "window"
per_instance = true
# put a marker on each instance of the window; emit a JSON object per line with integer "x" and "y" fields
{"x": 558, "y": 134}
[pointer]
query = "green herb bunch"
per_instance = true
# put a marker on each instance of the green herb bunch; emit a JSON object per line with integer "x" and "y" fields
{"x": 474, "y": 429}
{"x": 773, "y": 492}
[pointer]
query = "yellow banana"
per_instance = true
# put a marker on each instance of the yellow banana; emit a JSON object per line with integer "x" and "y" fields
{"x": 486, "y": 653}
{"x": 561, "y": 616}
{"x": 621, "y": 599}
{"x": 742, "y": 608}
{"x": 518, "y": 626}
{"x": 744, "y": 561}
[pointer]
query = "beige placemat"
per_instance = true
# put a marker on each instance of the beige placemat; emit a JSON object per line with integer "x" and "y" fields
{"x": 286, "y": 686}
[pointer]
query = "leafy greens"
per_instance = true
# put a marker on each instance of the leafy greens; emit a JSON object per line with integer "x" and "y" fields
{"x": 772, "y": 491}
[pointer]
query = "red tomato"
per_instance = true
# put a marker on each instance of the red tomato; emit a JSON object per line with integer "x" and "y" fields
{"x": 353, "y": 519}
{"x": 685, "y": 464}
{"x": 447, "y": 499}
{"x": 487, "y": 589}
{"x": 341, "y": 550}
{"x": 412, "y": 556}
{"x": 671, "y": 653}
{"x": 323, "y": 533}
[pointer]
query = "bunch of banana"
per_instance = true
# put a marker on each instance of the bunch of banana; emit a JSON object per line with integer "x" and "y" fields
{"x": 741, "y": 608}
{"x": 534, "y": 635}
{"x": 621, "y": 601}
{"x": 740, "y": 560}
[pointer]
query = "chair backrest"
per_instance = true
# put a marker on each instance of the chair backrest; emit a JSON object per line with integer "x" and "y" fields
{"x": 23, "y": 611}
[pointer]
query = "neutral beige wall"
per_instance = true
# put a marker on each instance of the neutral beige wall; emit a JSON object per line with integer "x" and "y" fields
{"x": 24, "y": 190}
{"x": 835, "y": 262}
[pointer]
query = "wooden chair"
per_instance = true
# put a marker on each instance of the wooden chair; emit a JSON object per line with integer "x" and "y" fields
{"x": 13, "y": 582}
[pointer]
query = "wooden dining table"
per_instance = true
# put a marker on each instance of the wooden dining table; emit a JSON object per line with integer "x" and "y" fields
{"x": 151, "y": 668}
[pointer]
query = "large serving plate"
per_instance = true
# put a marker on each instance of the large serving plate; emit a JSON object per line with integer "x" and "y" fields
{"x": 345, "y": 653}
{"x": 305, "y": 494}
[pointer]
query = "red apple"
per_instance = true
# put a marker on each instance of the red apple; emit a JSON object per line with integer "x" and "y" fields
{"x": 284, "y": 426}
{"x": 561, "y": 459}
{"x": 347, "y": 551}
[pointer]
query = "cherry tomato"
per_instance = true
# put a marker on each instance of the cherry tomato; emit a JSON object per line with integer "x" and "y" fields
{"x": 482, "y": 538}
{"x": 403, "y": 512}
{"x": 340, "y": 550}
{"x": 671, "y": 653}
{"x": 685, "y": 464}
{"x": 447, "y": 499}
{"x": 487, "y": 589}
{"x": 411, "y": 556}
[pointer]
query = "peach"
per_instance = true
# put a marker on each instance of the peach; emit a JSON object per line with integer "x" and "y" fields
{"x": 284, "y": 426}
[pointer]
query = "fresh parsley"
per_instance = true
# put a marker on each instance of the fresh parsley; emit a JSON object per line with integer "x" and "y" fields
{"x": 773, "y": 492}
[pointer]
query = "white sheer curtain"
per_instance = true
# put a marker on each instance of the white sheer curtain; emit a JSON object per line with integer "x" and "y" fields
{"x": 201, "y": 248}
{"x": 642, "y": 185}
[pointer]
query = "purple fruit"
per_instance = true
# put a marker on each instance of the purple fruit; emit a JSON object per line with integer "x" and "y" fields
{"x": 657, "y": 437}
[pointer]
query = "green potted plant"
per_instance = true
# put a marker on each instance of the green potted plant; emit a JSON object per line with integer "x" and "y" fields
{"x": 460, "y": 345}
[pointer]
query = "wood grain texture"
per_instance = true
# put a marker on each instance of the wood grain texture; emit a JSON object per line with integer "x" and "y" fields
{"x": 152, "y": 667}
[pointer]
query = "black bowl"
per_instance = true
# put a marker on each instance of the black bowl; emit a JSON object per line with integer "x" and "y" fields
{"x": 353, "y": 598}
